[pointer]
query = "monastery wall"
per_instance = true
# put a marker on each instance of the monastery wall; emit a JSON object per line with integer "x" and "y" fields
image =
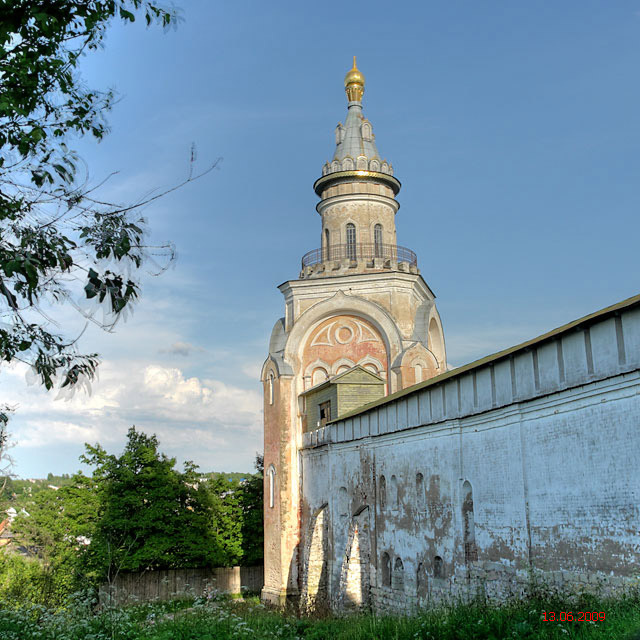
{"x": 522, "y": 464}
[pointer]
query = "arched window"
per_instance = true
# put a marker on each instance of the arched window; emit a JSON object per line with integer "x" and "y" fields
{"x": 327, "y": 245}
{"x": 271, "y": 387}
{"x": 351, "y": 241}
{"x": 470, "y": 550}
{"x": 377, "y": 240}
{"x": 418, "y": 373}
{"x": 386, "y": 570}
{"x": 272, "y": 485}
{"x": 382, "y": 491}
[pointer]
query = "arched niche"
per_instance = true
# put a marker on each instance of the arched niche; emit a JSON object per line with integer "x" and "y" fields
{"x": 468, "y": 524}
{"x": 271, "y": 475}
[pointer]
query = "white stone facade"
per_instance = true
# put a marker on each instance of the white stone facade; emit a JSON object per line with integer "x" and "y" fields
{"x": 521, "y": 465}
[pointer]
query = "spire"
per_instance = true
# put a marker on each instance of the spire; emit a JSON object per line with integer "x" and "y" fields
{"x": 354, "y": 83}
{"x": 355, "y": 142}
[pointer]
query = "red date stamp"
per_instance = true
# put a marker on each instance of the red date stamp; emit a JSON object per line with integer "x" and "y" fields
{"x": 573, "y": 616}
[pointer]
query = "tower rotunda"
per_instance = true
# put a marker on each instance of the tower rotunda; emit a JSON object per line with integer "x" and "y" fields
{"x": 359, "y": 301}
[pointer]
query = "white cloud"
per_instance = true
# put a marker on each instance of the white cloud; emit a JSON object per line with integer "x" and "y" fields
{"x": 209, "y": 421}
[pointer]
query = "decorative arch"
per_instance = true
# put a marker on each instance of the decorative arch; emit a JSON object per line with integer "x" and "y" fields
{"x": 374, "y": 165}
{"x": 342, "y": 362}
{"x": 374, "y": 365}
{"x": 318, "y": 376}
{"x": 347, "y": 164}
{"x": 269, "y": 367}
{"x": 311, "y": 368}
{"x": 361, "y": 163}
{"x": 417, "y": 365}
{"x": 348, "y": 305}
{"x": 435, "y": 341}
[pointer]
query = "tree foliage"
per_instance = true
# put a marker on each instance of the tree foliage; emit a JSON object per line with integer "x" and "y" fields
{"x": 237, "y": 516}
{"x": 59, "y": 526}
{"x": 253, "y": 516}
{"x": 150, "y": 514}
{"x": 58, "y": 241}
{"x": 135, "y": 512}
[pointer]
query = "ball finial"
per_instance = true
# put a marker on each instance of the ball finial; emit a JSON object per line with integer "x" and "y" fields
{"x": 354, "y": 83}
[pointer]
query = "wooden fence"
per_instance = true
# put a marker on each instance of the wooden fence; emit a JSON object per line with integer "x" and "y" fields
{"x": 145, "y": 586}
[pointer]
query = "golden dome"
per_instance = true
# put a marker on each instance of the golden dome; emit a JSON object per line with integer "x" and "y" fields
{"x": 354, "y": 83}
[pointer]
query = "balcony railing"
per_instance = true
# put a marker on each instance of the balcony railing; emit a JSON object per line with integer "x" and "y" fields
{"x": 359, "y": 251}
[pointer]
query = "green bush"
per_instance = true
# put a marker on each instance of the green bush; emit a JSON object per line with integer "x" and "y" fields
{"x": 223, "y": 619}
{"x": 25, "y": 581}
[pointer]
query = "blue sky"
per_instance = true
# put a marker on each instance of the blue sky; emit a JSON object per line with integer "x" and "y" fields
{"x": 513, "y": 128}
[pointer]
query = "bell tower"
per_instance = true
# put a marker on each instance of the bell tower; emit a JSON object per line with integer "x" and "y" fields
{"x": 359, "y": 300}
{"x": 357, "y": 201}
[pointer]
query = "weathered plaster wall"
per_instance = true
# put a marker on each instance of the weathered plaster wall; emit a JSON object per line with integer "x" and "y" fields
{"x": 326, "y": 329}
{"x": 525, "y": 464}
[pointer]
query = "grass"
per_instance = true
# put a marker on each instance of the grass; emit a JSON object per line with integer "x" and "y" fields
{"x": 222, "y": 619}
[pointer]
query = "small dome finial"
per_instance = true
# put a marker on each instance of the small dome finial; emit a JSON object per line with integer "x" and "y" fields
{"x": 354, "y": 83}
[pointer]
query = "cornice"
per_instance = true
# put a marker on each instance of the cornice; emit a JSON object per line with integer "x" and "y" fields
{"x": 357, "y": 175}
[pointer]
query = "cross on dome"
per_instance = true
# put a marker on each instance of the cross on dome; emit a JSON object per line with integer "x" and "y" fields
{"x": 354, "y": 83}
{"x": 355, "y": 142}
